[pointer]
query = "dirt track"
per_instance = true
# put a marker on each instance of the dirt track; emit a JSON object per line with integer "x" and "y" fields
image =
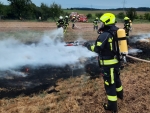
{"x": 7, "y": 26}
{"x": 82, "y": 30}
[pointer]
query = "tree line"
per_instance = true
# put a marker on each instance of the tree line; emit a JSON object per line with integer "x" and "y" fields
{"x": 86, "y": 8}
{"x": 129, "y": 12}
{"x": 25, "y": 9}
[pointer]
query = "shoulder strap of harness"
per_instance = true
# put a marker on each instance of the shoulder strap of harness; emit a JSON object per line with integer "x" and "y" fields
{"x": 116, "y": 44}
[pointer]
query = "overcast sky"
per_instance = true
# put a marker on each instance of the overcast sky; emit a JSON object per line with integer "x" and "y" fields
{"x": 101, "y": 4}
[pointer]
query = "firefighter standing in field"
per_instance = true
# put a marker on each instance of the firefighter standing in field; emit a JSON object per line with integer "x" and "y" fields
{"x": 95, "y": 23}
{"x": 108, "y": 61}
{"x": 73, "y": 20}
{"x": 127, "y": 27}
{"x": 66, "y": 23}
{"x": 60, "y": 22}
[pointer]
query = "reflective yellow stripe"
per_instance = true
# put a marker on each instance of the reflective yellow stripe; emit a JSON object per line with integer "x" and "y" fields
{"x": 111, "y": 46}
{"x": 119, "y": 89}
{"x": 110, "y": 41}
{"x": 112, "y": 75}
{"x": 92, "y": 47}
{"x": 99, "y": 43}
{"x": 112, "y": 98}
{"x": 108, "y": 62}
{"x": 106, "y": 83}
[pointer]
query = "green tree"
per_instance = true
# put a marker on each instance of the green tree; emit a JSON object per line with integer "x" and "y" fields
{"x": 89, "y": 15}
{"x": 45, "y": 11}
{"x": 146, "y": 16}
{"x": 136, "y": 17}
{"x": 37, "y": 12}
{"x": 55, "y": 11}
{"x": 21, "y": 8}
{"x": 1, "y": 10}
{"x": 141, "y": 17}
{"x": 121, "y": 15}
{"x": 131, "y": 13}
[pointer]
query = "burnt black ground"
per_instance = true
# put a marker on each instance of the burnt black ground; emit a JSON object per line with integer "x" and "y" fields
{"x": 43, "y": 77}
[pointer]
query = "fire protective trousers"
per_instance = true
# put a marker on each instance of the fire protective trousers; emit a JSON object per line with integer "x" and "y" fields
{"x": 113, "y": 86}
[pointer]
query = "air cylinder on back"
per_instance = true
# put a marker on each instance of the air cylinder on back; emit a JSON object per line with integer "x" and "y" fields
{"x": 122, "y": 41}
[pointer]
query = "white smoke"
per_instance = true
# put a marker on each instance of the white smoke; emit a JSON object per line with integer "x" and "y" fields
{"x": 50, "y": 50}
{"x": 134, "y": 51}
{"x": 141, "y": 38}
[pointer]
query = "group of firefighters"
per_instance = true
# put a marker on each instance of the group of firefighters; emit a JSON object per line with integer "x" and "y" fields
{"x": 109, "y": 57}
{"x": 127, "y": 25}
{"x": 64, "y": 22}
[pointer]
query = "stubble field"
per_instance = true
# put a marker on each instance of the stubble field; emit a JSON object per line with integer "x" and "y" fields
{"x": 79, "y": 94}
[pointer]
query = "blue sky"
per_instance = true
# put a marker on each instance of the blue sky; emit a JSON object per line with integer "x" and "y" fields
{"x": 101, "y": 4}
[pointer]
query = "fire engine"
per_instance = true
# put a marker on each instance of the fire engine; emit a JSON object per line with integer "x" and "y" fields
{"x": 82, "y": 18}
{"x": 79, "y": 17}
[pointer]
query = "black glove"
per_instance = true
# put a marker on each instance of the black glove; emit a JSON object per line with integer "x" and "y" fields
{"x": 99, "y": 31}
{"x": 87, "y": 45}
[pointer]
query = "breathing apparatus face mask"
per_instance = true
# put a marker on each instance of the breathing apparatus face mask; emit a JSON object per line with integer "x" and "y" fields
{"x": 100, "y": 30}
{"x": 101, "y": 25}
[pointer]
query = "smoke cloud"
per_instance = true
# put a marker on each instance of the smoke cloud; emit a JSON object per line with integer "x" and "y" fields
{"x": 49, "y": 50}
{"x": 140, "y": 37}
{"x": 134, "y": 51}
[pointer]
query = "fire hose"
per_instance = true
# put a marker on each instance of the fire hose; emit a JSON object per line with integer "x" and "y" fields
{"x": 135, "y": 58}
{"x": 77, "y": 27}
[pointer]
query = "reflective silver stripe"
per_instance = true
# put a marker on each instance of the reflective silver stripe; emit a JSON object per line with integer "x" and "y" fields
{"x": 108, "y": 62}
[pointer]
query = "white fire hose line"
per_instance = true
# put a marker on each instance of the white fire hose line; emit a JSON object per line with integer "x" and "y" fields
{"x": 77, "y": 27}
{"x": 135, "y": 58}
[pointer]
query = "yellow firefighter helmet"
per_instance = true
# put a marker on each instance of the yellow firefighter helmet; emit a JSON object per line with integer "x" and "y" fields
{"x": 108, "y": 19}
{"x": 126, "y": 18}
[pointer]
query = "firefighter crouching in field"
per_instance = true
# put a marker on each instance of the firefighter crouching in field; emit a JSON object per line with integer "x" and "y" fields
{"x": 66, "y": 23}
{"x": 108, "y": 61}
{"x": 127, "y": 27}
{"x": 60, "y": 22}
{"x": 95, "y": 23}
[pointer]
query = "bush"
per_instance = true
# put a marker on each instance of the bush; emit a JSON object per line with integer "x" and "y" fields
{"x": 121, "y": 15}
{"x": 89, "y": 15}
{"x": 147, "y": 16}
{"x": 131, "y": 13}
{"x": 98, "y": 15}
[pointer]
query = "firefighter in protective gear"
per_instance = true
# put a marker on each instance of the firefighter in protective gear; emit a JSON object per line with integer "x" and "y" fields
{"x": 60, "y": 22}
{"x": 95, "y": 23}
{"x": 66, "y": 23}
{"x": 127, "y": 25}
{"x": 73, "y": 20}
{"x": 110, "y": 64}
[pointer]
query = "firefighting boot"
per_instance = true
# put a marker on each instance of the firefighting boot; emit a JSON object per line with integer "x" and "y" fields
{"x": 120, "y": 95}
{"x": 107, "y": 110}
